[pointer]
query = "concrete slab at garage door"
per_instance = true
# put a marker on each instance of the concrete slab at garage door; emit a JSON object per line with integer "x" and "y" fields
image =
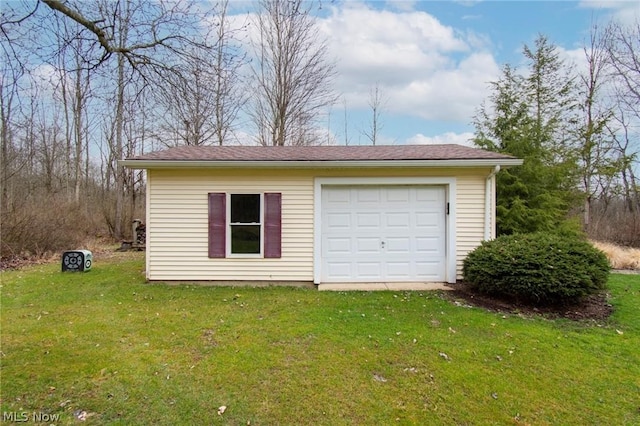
{"x": 373, "y": 233}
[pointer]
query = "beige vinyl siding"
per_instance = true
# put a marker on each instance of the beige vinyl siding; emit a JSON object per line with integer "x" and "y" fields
{"x": 470, "y": 205}
{"x": 177, "y": 210}
{"x": 178, "y": 217}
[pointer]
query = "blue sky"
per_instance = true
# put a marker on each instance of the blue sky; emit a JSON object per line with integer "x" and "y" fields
{"x": 432, "y": 60}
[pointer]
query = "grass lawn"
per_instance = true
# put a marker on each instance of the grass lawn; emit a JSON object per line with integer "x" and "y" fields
{"x": 115, "y": 349}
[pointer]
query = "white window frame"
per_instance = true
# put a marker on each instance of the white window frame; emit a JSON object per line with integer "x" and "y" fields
{"x": 229, "y": 224}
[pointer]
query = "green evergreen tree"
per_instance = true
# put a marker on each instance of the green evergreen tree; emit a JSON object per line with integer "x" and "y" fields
{"x": 528, "y": 116}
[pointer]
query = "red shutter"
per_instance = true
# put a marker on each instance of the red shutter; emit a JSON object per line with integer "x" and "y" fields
{"x": 217, "y": 224}
{"x": 272, "y": 225}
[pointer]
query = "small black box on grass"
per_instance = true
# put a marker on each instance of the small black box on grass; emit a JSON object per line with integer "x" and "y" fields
{"x": 76, "y": 261}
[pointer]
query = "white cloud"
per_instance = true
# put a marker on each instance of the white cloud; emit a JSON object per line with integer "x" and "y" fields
{"x": 450, "y": 94}
{"x": 574, "y": 56}
{"x": 624, "y": 11}
{"x": 380, "y": 45}
{"x": 44, "y": 81}
{"x": 425, "y": 69}
{"x": 445, "y": 138}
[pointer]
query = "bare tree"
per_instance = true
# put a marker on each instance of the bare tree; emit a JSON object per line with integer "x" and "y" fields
{"x": 9, "y": 159}
{"x": 201, "y": 105}
{"x": 230, "y": 96}
{"x": 623, "y": 135}
{"x": 187, "y": 106}
{"x": 594, "y": 146}
{"x": 123, "y": 24}
{"x": 74, "y": 91}
{"x": 292, "y": 74}
{"x": 624, "y": 54}
{"x": 377, "y": 104}
{"x": 347, "y": 140}
{"x": 623, "y": 48}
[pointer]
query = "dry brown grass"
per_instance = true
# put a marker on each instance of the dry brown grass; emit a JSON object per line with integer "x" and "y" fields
{"x": 620, "y": 257}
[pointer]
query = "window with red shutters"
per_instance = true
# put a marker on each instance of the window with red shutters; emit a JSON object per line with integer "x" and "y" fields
{"x": 243, "y": 226}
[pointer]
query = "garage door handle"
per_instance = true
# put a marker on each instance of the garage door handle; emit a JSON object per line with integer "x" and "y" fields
{"x": 382, "y": 244}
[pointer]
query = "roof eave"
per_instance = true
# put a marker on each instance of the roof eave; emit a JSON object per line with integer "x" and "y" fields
{"x": 266, "y": 164}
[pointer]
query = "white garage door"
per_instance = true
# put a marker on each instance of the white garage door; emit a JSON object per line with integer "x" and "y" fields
{"x": 383, "y": 233}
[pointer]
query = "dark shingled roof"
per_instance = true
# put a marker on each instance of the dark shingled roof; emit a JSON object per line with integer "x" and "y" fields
{"x": 321, "y": 153}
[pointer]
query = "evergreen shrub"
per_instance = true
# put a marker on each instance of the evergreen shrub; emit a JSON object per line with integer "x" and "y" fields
{"x": 537, "y": 268}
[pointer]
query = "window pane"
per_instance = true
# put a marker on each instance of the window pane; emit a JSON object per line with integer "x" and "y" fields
{"x": 245, "y": 239}
{"x": 245, "y": 208}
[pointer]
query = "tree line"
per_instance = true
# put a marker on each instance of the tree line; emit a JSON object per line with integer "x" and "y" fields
{"x": 84, "y": 84}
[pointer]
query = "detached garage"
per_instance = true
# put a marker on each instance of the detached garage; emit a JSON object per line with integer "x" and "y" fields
{"x": 325, "y": 214}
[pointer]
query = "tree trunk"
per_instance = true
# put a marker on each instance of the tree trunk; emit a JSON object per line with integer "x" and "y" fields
{"x": 77, "y": 159}
{"x": 117, "y": 152}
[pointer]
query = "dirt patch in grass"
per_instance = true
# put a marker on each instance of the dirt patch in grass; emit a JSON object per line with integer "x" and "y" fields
{"x": 592, "y": 308}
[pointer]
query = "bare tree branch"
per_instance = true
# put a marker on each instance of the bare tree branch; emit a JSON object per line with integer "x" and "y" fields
{"x": 292, "y": 75}
{"x": 103, "y": 39}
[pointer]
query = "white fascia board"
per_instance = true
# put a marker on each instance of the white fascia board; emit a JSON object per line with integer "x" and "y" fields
{"x": 173, "y": 164}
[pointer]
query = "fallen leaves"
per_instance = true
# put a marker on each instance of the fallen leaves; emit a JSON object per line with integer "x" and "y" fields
{"x": 378, "y": 378}
{"x": 82, "y": 415}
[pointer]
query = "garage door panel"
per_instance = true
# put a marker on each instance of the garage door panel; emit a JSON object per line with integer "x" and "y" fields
{"x": 367, "y": 221}
{"x": 368, "y": 270}
{"x": 339, "y": 221}
{"x": 367, "y": 195}
{"x": 383, "y": 233}
{"x": 339, "y": 270}
{"x": 338, "y": 246}
{"x": 338, "y": 197}
{"x": 427, "y": 219}
{"x": 428, "y": 195}
{"x": 429, "y": 270}
{"x": 398, "y": 195}
{"x": 368, "y": 245}
{"x": 428, "y": 244}
{"x": 398, "y": 245}
{"x": 398, "y": 220}
{"x": 399, "y": 270}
